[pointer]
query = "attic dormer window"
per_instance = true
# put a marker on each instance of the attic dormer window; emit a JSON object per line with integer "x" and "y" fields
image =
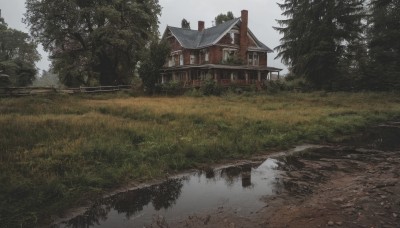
{"x": 234, "y": 36}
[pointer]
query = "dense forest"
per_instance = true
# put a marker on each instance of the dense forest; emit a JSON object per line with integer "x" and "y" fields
{"x": 342, "y": 44}
{"x": 326, "y": 44}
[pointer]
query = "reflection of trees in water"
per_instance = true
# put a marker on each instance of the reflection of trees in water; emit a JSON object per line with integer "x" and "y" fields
{"x": 132, "y": 202}
{"x": 384, "y": 137}
{"x": 161, "y": 196}
{"x": 166, "y": 194}
{"x": 210, "y": 174}
{"x": 230, "y": 175}
{"x": 94, "y": 216}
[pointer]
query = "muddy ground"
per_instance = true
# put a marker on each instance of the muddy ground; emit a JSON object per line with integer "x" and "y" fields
{"x": 354, "y": 184}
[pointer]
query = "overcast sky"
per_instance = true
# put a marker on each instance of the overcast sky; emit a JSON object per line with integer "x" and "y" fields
{"x": 262, "y": 15}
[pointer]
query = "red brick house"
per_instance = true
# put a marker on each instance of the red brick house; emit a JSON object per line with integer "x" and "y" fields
{"x": 228, "y": 53}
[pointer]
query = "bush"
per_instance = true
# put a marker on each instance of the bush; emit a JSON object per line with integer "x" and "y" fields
{"x": 210, "y": 87}
{"x": 173, "y": 88}
{"x": 275, "y": 86}
{"x": 194, "y": 93}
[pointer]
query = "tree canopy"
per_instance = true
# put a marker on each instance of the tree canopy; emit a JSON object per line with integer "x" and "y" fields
{"x": 185, "y": 24}
{"x": 221, "y": 18}
{"x": 93, "y": 41}
{"x": 320, "y": 39}
{"x": 17, "y": 57}
{"x": 153, "y": 59}
{"x": 383, "y": 71}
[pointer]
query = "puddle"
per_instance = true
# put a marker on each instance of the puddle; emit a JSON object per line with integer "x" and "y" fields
{"x": 239, "y": 188}
{"x": 384, "y": 137}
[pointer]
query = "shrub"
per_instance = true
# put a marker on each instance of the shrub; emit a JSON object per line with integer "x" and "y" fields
{"x": 210, "y": 87}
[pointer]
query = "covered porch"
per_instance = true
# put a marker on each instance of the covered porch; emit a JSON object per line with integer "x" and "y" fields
{"x": 224, "y": 75}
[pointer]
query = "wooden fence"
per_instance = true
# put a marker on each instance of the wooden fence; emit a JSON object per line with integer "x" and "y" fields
{"x": 27, "y": 91}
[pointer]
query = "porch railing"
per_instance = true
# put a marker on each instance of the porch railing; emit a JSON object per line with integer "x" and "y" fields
{"x": 222, "y": 82}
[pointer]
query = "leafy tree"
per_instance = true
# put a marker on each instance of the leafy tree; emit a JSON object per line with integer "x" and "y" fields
{"x": 221, "y": 18}
{"x": 153, "y": 59}
{"x": 93, "y": 41}
{"x": 383, "y": 72}
{"x": 17, "y": 56}
{"x": 320, "y": 38}
{"x": 185, "y": 24}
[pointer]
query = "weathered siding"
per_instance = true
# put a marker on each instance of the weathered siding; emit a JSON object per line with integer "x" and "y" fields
{"x": 262, "y": 59}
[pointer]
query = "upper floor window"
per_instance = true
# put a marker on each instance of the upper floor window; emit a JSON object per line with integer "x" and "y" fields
{"x": 229, "y": 54}
{"x": 192, "y": 58}
{"x": 203, "y": 56}
{"x": 253, "y": 59}
{"x": 234, "y": 34}
{"x": 232, "y": 38}
{"x": 206, "y": 57}
{"x": 181, "y": 59}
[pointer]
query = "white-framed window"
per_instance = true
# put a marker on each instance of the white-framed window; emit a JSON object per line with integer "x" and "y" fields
{"x": 192, "y": 59}
{"x": 181, "y": 59}
{"x": 253, "y": 59}
{"x": 203, "y": 56}
{"x": 233, "y": 34}
{"x": 229, "y": 54}
{"x": 232, "y": 37}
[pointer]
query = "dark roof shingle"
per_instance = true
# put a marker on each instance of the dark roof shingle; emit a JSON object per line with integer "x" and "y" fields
{"x": 193, "y": 39}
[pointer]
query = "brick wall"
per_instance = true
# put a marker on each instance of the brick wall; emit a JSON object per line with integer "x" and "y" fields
{"x": 174, "y": 44}
{"x": 215, "y": 54}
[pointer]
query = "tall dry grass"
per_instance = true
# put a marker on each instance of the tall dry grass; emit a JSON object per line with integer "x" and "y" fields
{"x": 56, "y": 151}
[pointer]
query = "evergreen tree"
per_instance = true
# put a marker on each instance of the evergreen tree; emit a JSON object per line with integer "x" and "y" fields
{"x": 319, "y": 37}
{"x": 185, "y": 24}
{"x": 93, "y": 41}
{"x": 384, "y": 45}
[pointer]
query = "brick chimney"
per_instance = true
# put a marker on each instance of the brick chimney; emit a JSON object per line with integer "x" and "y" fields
{"x": 200, "y": 26}
{"x": 244, "y": 41}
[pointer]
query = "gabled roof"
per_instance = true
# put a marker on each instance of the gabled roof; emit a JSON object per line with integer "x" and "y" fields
{"x": 193, "y": 39}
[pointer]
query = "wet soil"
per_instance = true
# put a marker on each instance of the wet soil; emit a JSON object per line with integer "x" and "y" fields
{"x": 355, "y": 184}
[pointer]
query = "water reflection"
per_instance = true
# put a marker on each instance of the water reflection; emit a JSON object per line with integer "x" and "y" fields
{"x": 160, "y": 196}
{"x": 385, "y": 136}
{"x": 236, "y": 187}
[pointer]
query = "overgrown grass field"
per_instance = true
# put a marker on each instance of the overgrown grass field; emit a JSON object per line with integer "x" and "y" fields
{"x": 57, "y": 151}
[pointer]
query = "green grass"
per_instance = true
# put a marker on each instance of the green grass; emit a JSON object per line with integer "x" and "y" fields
{"x": 58, "y": 152}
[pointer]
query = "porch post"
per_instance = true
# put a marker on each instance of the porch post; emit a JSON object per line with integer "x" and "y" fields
{"x": 246, "y": 76}
{"x": 259, "y": 75}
